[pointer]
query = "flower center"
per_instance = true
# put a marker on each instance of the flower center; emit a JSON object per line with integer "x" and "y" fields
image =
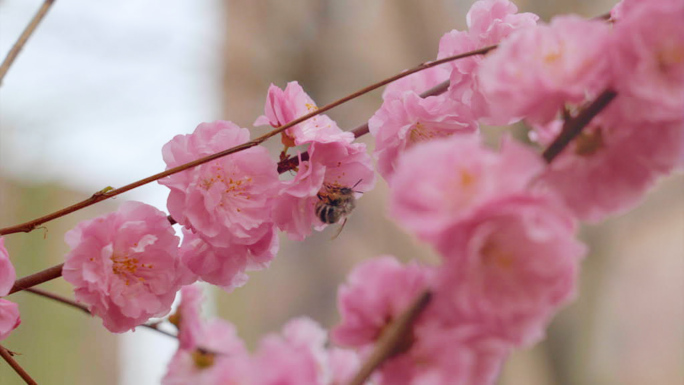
{"x": 126, "y": 267}
{"x": 588, "y": 143}
{"x": 494, "y": 256}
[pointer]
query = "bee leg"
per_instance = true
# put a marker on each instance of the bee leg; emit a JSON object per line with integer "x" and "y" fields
{"x": 344, "y": 222}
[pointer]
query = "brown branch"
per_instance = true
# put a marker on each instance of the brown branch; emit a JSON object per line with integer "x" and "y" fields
{"x": 293, "y": 161}
{"x": 37, "y": 278}
{"x": 7, "y": 356}
{"x": 392, "y": 339}
{"x": 28, "y": 31}
{"x": 574, "y": 126}
{"x": 74, "y": 304}
{"x": 106, "y": 193}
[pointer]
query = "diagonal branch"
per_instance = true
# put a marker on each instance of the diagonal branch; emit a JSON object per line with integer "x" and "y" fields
{"x": 109, "y": 193}
{"x": 48, "y": 274}
{"x": 74, "y": 304}
{"x": 392, "y": 339}
{"x": 7, "y": 356}
{"x": 23, "y": 38}
{"x": 574, "y": 126}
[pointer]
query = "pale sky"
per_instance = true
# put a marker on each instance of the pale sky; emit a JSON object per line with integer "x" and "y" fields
{"x": 97, "y": 91}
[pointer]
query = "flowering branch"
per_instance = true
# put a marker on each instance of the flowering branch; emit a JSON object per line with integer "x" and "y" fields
{"x": 292, "y": 162}
{"x": 37, "y": 278}
{"x": 74, "y": 304}
{"x": 109, "y": 193}
{"x": 574, "y": 126}
{"x": 7, "y": 356}
{"x": 393, "y": 339}
{"x": 23, "y": 38}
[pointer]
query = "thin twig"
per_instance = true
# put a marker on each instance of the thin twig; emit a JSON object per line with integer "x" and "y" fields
{"x": 74, "y": 304}
{"x": 37, "y": 278}
{"x": 28, "y": 31}
{"x": 102, "y": 195}
{"x": 574, "y": 126}
{"x": 7, "y": 356}
{"x": 392, "y": 339}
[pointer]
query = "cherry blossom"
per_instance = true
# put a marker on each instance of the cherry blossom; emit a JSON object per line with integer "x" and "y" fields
{"x": 536, "y": 71}
{"x": 284, "y": 106}
{"x": 124, "y": 265}
{"x": 407, "y": 119}
{"x": 439, "y": 183}
{"x": 377, "y": 291}
{"x": 9, "y": 311}
{"x": 610, "y": 166}
{"x": 509, "y": 267}
{"x": 333, "y": 164}
{"x": 647, "y": 60}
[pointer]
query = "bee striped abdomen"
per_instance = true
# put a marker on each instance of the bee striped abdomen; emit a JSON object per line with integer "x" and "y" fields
{"x": 327, "y": 214}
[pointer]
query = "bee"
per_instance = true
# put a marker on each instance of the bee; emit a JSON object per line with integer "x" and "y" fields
{"x": 335, "y": 203}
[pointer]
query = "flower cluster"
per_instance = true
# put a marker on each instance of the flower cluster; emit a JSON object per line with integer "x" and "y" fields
{"x": 211, "y": 353}
{"x": 503, "y": 220}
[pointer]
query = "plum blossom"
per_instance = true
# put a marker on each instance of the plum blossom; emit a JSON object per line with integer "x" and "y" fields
{"x": 124, "y": 265}
{"x": 490, "y": 21}
{"x": 225, "y": 266}
{"x": 226, "y": 203}
{"x": 218, "y": 347}
{"x": 611, "y": 165}
{"x": 337, "y": 164}
{"x": 536, "y": 71}
{"x": 447, "y": 356}
{"x": 441, "y": 182}
{"x": 376, "y": 292}
{"x": 9, "y": 317}
{"x": 204, "y": 347}
{"x": 407, "y": 119}
{"x": 647, "y": 60}
{"x": 299, "y": 356}
{"x": 509, "y": 267}
{"x": 284, "y": 106}
{"x": 7, "y": 273}
{"x": 9, "y": 311}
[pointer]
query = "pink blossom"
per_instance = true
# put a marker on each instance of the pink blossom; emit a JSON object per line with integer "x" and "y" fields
{"x": 284, "y": 106}
{"x": 336, "y": 164}
{"x": 218, "y": 353}
{"x": 462, "y": 82}
{"x": 7, "y": 273}
{"x": 226, "y": 266}
{"x": 187, "y": 317}
{"x": 536, "y": 71}
{"x": 9, "y": 317}
{"x": 447, "y": 356}
{"x": 439, "y": 183}
{"x": 490, "y": 21}
{"x": 9, "y": 311}
{"x": 226, "y": 201}
{"x": 125, "y": 265}
{"x": 291, "y": 359}
{"x": 647, "y": 60}
{"x": 509, "y": 267}
{"x": 405, "y": 120}
{"x": 613, "y": 162}
{"x": 376, "y": 292}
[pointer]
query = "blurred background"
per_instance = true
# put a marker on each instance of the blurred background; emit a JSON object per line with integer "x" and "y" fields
{"x": 102, "y": 86}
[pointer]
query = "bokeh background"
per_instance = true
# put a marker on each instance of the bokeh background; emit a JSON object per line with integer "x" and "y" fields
{"x": 102, "y": 86}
